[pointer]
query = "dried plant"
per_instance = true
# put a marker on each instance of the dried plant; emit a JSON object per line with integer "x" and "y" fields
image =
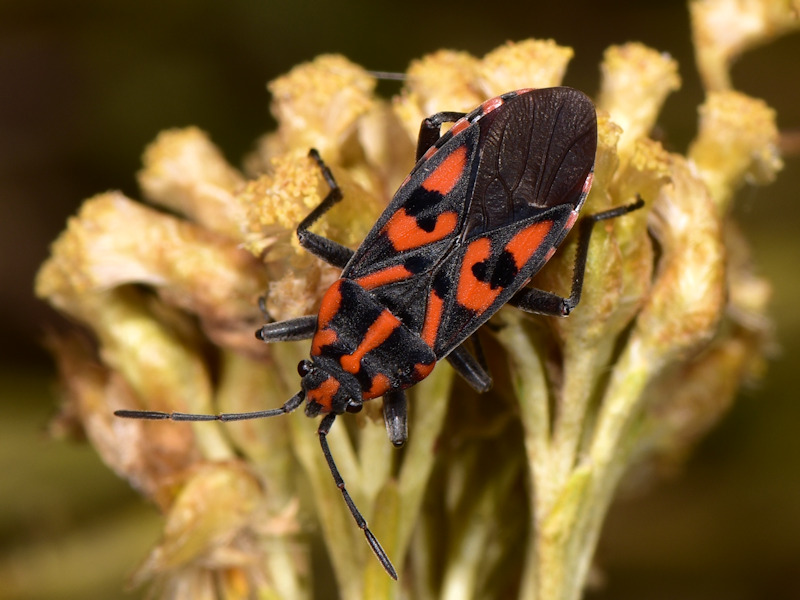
{"x": 505, "y": 494}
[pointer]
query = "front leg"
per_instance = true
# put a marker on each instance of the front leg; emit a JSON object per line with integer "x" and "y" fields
{"x": 331, "y": 252}
{"x": 303, "y": 328}
{"x": 291, "y": 330}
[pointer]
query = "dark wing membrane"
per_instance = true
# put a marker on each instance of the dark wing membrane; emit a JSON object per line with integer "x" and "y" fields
{"x": 536, "y": 156}
{"x": 536, "y": 153}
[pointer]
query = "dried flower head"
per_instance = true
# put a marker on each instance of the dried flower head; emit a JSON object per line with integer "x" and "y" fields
{"x": 671, "y": 321}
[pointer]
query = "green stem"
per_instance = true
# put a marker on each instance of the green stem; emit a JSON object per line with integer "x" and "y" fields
{"x": 530, "y": 386}
{"x": 611, "y": 447}
{"x": 581, "y": 369}
{"x": 476, "y": 524}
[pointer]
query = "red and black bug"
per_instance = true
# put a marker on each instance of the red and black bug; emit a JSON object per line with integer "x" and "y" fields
{"x": 483, "y": 210}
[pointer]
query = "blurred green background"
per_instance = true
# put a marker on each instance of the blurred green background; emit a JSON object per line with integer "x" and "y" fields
{"x": 86, "y": 84}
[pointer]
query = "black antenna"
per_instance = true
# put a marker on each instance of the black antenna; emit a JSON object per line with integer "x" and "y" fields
{"x": 155, "y": 415}
{"x": 290, "y": 405}
{"x": 324, "y": 428}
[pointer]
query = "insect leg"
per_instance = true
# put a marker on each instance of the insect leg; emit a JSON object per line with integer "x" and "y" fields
{"x": 301, "y": 328}
{"x": 430, "y": 130}
{"x": 331, "y": 252}
{"x": 324, "y": 429}
{"x": 395, "y": 415}
{"x": 471, "y": 368}
{"x": 547, "y": 303}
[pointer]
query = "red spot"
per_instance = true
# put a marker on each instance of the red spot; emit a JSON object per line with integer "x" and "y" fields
{"x": 491, "y": 104}
{"x": 323, "y": 337}
{"x": 405, "y": 234}
{"x": 384, "y": 277}
{"x": 380, "y": 385}
{"x": 459, "y": 126}
{"x": 421, "y": 371}
{"x": 445, "y": 177}
{"x": 428, "y": 153}
{"x": 587, "y": 185}
{"x": 472, "y": 293}
{"x": 377, "y": 333}
{"x": 573, "y": 216}
{"x": 433, "y": 318}
{"x": 323, "y": 395}
{"x": 525, "y": 243}
{"x": 329, "y": 305}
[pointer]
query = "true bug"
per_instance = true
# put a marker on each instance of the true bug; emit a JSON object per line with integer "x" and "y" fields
{"x": 483, "y": 209}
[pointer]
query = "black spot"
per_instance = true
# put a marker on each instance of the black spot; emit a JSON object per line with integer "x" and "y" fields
{"x": 479, "y": 271}
{"x": 364, "y": 378}
{"x": 427, "y": 224}
{"x": 505, "y": 271}
{"x": 420, "y": 199}
{"x": 441, "y": 285}
{"x": 334, "y": 351}
{"x": 416, "y": 264}
{"x": 349, "y": 293}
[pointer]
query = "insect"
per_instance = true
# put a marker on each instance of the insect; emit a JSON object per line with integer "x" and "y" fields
{"x": 484, "y": 208}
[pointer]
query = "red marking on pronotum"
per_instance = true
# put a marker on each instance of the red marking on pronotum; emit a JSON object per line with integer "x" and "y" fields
{"x": 323, "y": 395}
{"x": 421, "y": 371}
{"x": 330, "y": 304}
{"x": 378, "y": 332}
{"x": 323, "y": 337}
{"x": 380, "y": 385}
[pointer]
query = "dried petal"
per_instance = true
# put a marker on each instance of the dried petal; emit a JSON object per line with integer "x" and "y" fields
{"x": 724, "y": 29}
{"x": 737, "y": 143}
{"x": 184, "y": 172}
{"x": 636, "y": 81}
{"x": 527, "y": 64}
{"x": 317, "y": 105}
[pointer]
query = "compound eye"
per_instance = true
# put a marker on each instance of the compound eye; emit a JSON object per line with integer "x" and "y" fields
{"x": 354, "y": 406}
{"x": 304, "y": 368}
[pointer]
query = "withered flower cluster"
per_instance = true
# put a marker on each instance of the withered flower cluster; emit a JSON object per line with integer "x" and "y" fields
{"x": 670, "y": 324}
